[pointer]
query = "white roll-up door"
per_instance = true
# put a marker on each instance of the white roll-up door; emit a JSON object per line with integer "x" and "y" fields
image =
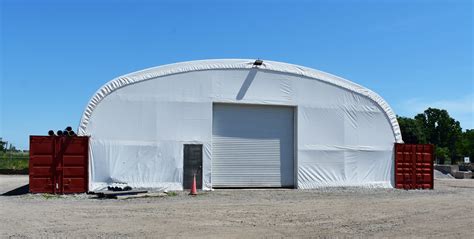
{"x": 252, "y": 146}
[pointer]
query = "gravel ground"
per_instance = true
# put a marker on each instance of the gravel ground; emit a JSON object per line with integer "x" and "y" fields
{"x": 440, "y": 175}
{"x": 446, "y": 211}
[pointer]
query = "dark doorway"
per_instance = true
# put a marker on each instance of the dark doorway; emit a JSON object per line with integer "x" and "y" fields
{"x": 192, "y": 165}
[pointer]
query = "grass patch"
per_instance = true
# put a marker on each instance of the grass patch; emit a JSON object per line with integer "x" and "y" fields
{"x": 172, "y": 194}
{"x": 51, "y": 196}
{"x": 14, "y": 161}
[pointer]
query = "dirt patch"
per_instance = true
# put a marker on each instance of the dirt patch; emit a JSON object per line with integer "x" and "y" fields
{"x": 246, "y": 213}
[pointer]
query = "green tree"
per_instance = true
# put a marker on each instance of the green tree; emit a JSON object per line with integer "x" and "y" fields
{"x": 465, "y": 146}
{"x": 441, "y": 130}
{"x": 442, "y": 155}
{"x": 412, "y": 131}
{"x": 2, "y": 145}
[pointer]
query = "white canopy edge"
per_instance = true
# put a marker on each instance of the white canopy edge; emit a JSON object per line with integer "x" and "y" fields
{"x": 223, "y": 64}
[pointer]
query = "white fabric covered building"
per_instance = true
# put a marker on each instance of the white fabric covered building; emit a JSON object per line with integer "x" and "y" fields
{"x": 268, "y": 125}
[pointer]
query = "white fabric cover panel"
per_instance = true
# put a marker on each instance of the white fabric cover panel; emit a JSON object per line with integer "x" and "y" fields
{"x": 138, "y": 123}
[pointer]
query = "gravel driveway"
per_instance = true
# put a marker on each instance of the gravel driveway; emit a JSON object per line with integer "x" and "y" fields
{"x": 447, "y": 211}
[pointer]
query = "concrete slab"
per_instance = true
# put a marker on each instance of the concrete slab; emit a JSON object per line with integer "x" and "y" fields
{"x": 463, "y": 175}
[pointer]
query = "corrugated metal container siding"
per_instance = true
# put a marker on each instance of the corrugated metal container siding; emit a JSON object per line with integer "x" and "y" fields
{"x": 414, "y": 166}
{"x": 58, "y": 164}
{"x": 252, "y": 146}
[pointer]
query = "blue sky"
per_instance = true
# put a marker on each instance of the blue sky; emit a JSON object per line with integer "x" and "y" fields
{"x": 56, "y": 54}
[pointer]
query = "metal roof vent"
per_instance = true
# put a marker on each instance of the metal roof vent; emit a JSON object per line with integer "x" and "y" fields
{"x": 258, "y": 62}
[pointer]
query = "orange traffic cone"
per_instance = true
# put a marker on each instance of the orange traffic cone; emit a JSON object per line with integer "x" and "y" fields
{"x": 193, "y": 186}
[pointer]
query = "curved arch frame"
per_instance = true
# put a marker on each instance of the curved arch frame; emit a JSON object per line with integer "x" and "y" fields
{"x": 184, "y": 67}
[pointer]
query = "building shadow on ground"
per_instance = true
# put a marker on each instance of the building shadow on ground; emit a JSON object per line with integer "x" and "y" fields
{"x": 18, "y": 191}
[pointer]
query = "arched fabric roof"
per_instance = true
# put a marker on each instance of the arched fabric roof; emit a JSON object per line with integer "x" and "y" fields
{"x": 222, "y": 64}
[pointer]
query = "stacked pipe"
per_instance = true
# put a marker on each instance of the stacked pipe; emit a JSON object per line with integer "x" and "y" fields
{"x": 66, "y": 132}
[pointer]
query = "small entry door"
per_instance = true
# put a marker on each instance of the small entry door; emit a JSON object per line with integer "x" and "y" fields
{"x": 192, "y": 165}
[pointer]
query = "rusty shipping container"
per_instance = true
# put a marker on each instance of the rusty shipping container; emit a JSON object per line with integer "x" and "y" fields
{"x": 414, "y": 166}
{"x": 58, "y": 164}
